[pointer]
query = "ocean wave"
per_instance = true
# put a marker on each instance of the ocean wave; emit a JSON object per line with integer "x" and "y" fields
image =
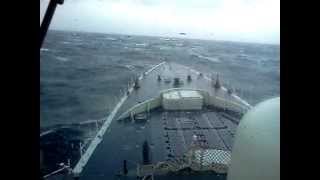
{"x": 164, "y": 47}
{"x": 165, "y": 39}
{"x": 130, "y": 67}
{"x": 141, "y": 44}
{"x": 78, "y": 44}
{"x": 110, "y": 39}
{"x": 137, "y": 49}
{"x": 77, "y": 40}
{"x": 66, "y": 42}
{"x": 243, "y": 55}
{"x": 212, "y": 59}
{"x": 64, "y": 59}
{"x": 44, "y": 49}
{"x": 125, "y": 52}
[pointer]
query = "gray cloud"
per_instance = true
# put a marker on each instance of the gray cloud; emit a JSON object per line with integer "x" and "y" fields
{"x": 237, "y": 20}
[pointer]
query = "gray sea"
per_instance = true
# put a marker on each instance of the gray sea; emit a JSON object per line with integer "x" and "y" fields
{"x": 82, "y": 73}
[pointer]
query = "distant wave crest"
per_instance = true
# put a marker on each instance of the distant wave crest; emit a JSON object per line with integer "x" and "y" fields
{"x": 62, "y": 58}
{"x": 44, "y": 49}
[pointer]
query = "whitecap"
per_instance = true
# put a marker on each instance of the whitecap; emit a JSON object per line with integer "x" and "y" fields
{"x": 110, "y": 39}
{"x": 130, "y": 67}
{"x": 65, "y": 42}
{"x": 141, "y": 44}
{"x": 137, "y": 49}
{"x": 44, "y": 49}
{"x": 62, "y": 59}
{"x": 244, "y": 55}
{"x": 212, "y": 59}
{"x": 165, "y": 39}
{"x": 77, "y": 40}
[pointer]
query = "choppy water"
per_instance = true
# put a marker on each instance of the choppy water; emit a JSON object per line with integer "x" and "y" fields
{"x": 81, "y": 73}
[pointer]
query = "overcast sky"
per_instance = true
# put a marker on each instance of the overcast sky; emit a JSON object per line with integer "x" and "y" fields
{"x": 235, "y": 20}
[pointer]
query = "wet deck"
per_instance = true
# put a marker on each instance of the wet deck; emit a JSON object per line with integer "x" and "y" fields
{"x": 173, "y": 132}
{"x": 166, "y": 132}
{"x": 150, "y": 87}
{"x": 169, "y": 135}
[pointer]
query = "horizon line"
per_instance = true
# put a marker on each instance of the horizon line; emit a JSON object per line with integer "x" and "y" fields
{"x": 186, "y": 37}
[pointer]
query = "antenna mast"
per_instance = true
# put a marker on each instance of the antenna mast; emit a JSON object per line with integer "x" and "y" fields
{"x": 47, "y": 18}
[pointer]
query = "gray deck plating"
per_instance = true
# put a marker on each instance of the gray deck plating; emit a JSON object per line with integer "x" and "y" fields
{"x": 84, "y": 159}
{"x": 120, "y": 140}
{"x": 169, "y": 138}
